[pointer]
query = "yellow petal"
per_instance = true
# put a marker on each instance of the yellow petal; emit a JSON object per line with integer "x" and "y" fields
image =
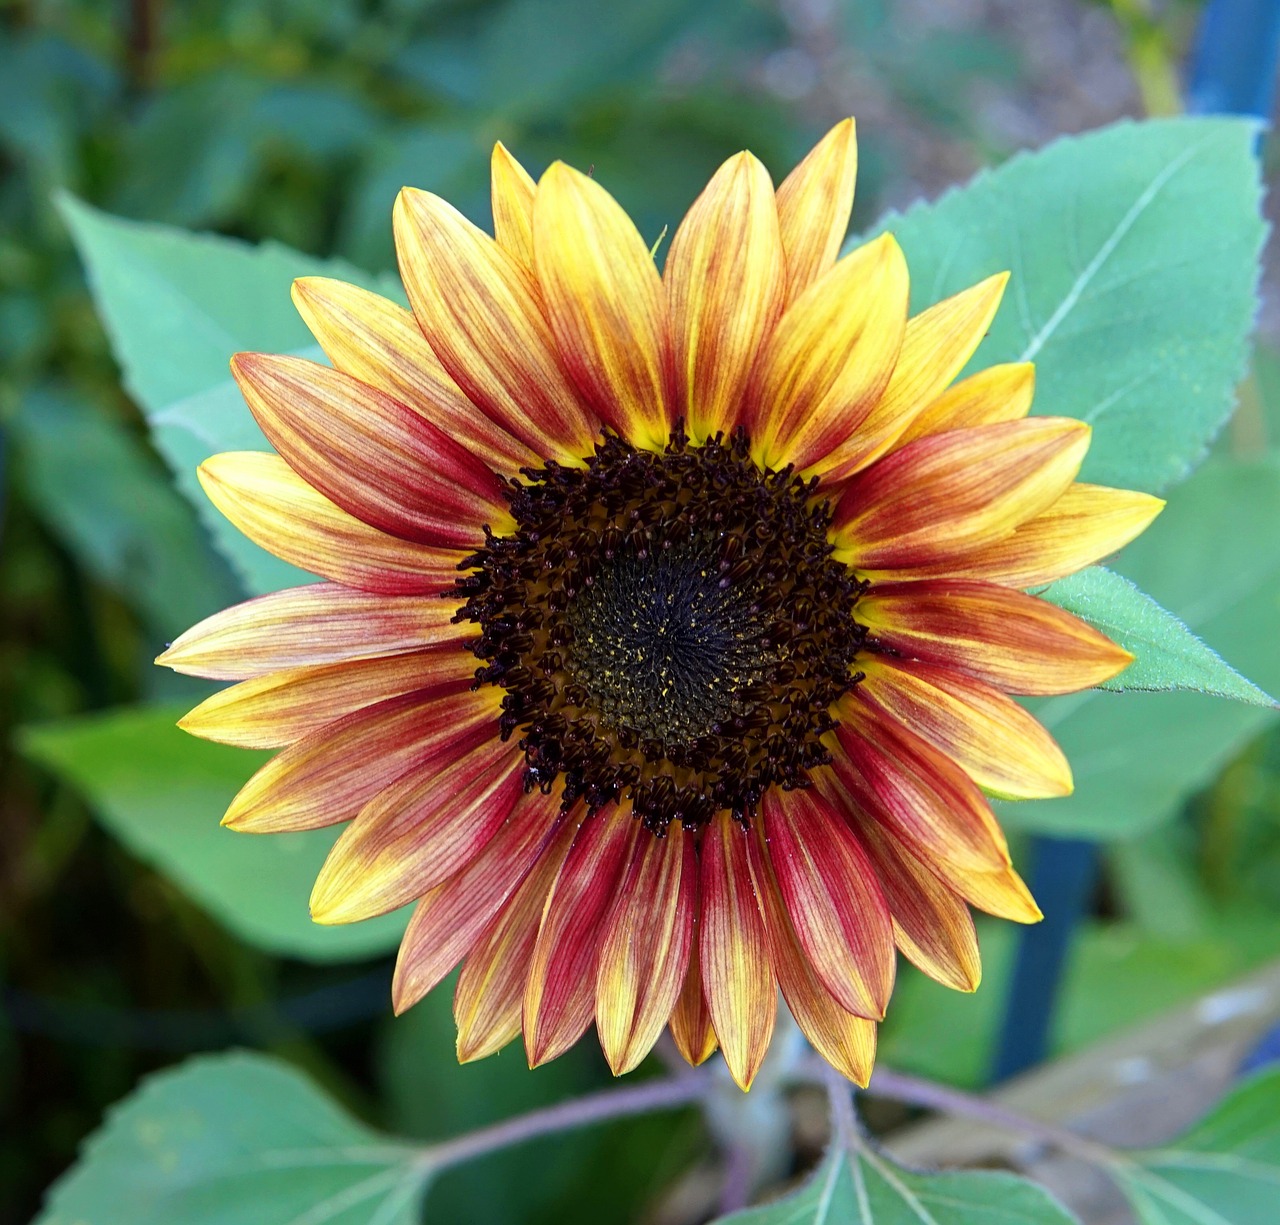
{"x": 814, "y": 203}
{"x": 512, "y": 193}
{"x": 606, "y": 303}
{"x": 830, "y": 358}
{"x": 725, "y": 275}
{"x": 998, "y": 393}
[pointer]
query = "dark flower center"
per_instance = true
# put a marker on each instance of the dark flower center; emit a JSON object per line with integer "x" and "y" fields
{"x": 669, "y": 629}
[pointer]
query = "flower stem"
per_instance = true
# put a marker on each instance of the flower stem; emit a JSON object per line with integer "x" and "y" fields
{"x": 666, "y": 1094}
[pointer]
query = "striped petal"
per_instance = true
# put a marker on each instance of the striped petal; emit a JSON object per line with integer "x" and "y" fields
{"x": 814, "y": 203}
{"x": 993, "y": 739}
{"x": 691, "y": 1029}
{"x": 936, "y": 345}
{"x": 924, "y": 797}
{"x": 301, "y": 627}
{"x": 828, "y": 886}
{"x": 1085, "y": 525}
{"x": 606, "y": 303}
{"x": 368, "y": 453}
{"x": 932, "y": 926}
{"x": 331, "y": 775}
{"x": 1003, "y": 894}
{"x": 726, "y": 279}
{"x": 644, "y": 955}
{"x": 380, "y": 344}
{"x": 489, "y": 996}
{"x": 1013, "y": 641}
{"x": 277, "y": 509}
{"x": 830, "y": 357}
{"x": 451, "y": 917}
{"x": 419, "y": 831}
{"x": 275, "y": 710}
{"x": 998, "y": 393}
{"x": 559, "y": 997}
{"x": 737, "y": 976}
{"x": 512, "y": 192}
{"x": 478, "y": 309}
{"x": 950, "y": 493}
{"x": 845, "y": 1041}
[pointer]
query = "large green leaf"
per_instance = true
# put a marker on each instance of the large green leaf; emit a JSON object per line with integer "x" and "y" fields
{"x": 162, "y": 793}
{"x": 1137, "y": 756}
{"x": 236, "y": 1139}
{"x": 1167, "y": 655}
{"x": 1134, "y": 254}
{"x": 859, "y": 1187}
{"x": 1224, "y": 1171}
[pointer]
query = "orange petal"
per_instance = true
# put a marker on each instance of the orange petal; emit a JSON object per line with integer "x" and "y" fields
{"x": 814, "y": 203}
{"x": 480, "y": 312}
{"x": 725, "y": 275}
{"x": 830, "y": 358}
{"x": 645, "y": 951}
{"x": 559, "y": 997}
{"x": 1085, "y": 525}
{"x": 993, "y": 739}
{"x": 331, "y": 775}
{"x": 1003, "y": 894}
{"x": 925, "y": 797}
{"x": 950, "y": 493}
{"x": 490, "y": 991}
{"x": 737, "y": 976}
{"x": 932, "y": 926}
{"x": 691, "y": 1028}
{"x": 418, "y": 831}
{"x": 935, "y": 347}
{"x": 451, "y": 917}
{"x": 998, "y": 393}
{"x": 606, "y": 303}
{"x": 845, "y": 1041}
{"x": 368, "y": 453}
{"x": 380, "y": 344}
{"x": 512, "y": 194}
{"x": 828, "y": 886}
{"x": 277, "y": 509}
{"x": 271, "y": 711}
{"x": 300, "y": 627}
{"x": 1013, "y": 641}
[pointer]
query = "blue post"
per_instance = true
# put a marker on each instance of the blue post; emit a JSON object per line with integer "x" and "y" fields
{"x": 1233, "y": 71}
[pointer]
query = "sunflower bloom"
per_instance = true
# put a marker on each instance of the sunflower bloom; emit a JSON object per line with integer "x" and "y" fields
{"x": 666, "y": 622}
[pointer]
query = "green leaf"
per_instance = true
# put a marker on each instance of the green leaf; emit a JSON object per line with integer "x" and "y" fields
{"x": 176, "y": 306}
{"x": 163, "y": 793}
{"x": 1134, "y": 253}
{"x": 1167, "y": 655}
{"x": 1137, "y": 757}
{"x": 1224, "y": 1171}
{"x": 236, "y": 1139}
{"x": 863, "y": 1188}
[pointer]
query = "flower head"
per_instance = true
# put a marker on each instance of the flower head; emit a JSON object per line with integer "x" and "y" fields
{"x": 667, "y": 620}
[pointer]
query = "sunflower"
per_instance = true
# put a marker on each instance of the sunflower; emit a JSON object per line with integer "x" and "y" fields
{"x": 666, "y": 622}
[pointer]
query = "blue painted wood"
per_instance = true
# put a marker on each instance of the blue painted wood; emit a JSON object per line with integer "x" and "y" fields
{"x": 1233, "y": 70}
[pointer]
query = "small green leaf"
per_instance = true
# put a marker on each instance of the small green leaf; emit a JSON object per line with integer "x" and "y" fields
{"x": 1136, "y": 758}
{"x": 1224, "y": 1171}
{"x": 863, "y": 1188}
{"x": 1134, "y": 253}
{"x": 236, "y": 1139}
{"x": 163, "y": 793}
{"x": 1167, "y": 655}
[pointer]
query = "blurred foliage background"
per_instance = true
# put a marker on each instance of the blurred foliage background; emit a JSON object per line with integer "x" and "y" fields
{"x": 297, "y": 121}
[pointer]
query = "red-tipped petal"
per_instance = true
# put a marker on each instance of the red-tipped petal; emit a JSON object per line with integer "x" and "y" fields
{"x": 845, "y": 1041}
{"x": 1013, "y": 641}
{"x": 993, "y": 739}
{"x": 645, "y": 951}
{"x": 736, "y": 973}
{"x": 451, "y": 917}
{"x": 559, "y": 998}
{"x": 377, "y": 459}
{"x": 303, "y": 627}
